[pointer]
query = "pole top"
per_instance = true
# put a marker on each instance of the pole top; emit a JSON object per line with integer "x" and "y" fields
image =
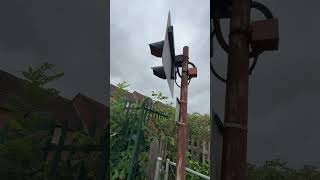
{"x": 186, "y": 51}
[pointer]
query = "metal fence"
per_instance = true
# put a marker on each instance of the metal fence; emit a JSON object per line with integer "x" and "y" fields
{"x": 145, "y": 111}
{"x": 170, "y": 169}
{"x": 57, "y": 150}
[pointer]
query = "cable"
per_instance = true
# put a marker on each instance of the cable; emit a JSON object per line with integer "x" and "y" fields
{"x": 211, "y": 44}
{"x": 255, "y": 54}
{"x": 216, "y": 74}
{"x": 191, "y": 64}
{"x": 178, "y": 72}
{"x": 262, "y": 8}
{"x": 222, "y": 42}
{"x": 212, "y": 54}
{"x": 254, "y": 63}
{"x": 189, "y": 80}
{"x": 177, "y": 83}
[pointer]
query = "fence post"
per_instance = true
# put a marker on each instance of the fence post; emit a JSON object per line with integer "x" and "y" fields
{"x": 166, "y": 175}
{"x": 157, "y": 173}
{"x": 152, "y": 160}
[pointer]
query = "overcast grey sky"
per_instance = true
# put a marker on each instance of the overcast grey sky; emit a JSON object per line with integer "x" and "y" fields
{"x": 69, "y": 34}
{"x": 135, "y": 24}
{"x": 284, "y": 90}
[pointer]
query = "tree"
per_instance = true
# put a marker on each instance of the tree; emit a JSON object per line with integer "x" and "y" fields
{"x": 277, "y": 169}
{"x": 121, "y": 91}
{"x": 41, "y": 76}
{"x": 21, "y": 154}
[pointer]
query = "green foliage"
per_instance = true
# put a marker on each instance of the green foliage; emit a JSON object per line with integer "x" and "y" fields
{"x": 123, "y": 85}
{"x": 203, "y": 167}
{"x": 199, "y": 127}
{"x": 21, "y": 153}
{"x": 121, "y": 91}
{"x": 122, "y": 124}
{"x": 165, "y": 129}
{"x": 278, "y": 170}
{"x": 21, "y": 148}
{"x": 42, "y": 75}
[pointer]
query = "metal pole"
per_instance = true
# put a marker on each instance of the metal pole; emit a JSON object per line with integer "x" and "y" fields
{"x": 158, "y": 166}
{"x": 166, "y": 175}
{"x": 234, "y": 155}
{"x": 182, "y": 124}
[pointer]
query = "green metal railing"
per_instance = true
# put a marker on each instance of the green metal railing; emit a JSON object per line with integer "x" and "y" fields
{"x": 101, "y": 172}
{"x": 146, "y": 112}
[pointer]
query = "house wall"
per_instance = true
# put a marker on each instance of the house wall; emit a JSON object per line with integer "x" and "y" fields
{"x": 82, "y": 112}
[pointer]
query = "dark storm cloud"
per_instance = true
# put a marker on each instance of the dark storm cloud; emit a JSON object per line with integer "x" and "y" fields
{"x": 69, "y": 34}
{"x": 284, "y": 89}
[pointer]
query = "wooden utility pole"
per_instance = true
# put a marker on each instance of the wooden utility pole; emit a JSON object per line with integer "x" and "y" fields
{"x": 234, "y": 165}
{"x": 182, "y": 124}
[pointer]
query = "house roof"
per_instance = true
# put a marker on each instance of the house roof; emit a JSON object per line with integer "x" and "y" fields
{"x": 126, "y": 94}
{"x": 18, "y": 95}
{"x": 138, "y": 97}
{"x": 92, "y": 113}
{"x": 112, "y": 89}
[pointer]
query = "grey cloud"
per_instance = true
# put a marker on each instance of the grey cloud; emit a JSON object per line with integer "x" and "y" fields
{"x": 69, "y": 34}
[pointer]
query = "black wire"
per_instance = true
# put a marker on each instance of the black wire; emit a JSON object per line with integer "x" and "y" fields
{"x": 175, "y": 80}
{"x": 189, "y": 80}
{"x": 177, "y": 83}
{"x": 254, "y": 63}
{"x": 216, "y": 74}
{"x": 191, "y": 64}
{"x": 211, "y": 66}
{"x": 262, "y": 8}
{"x": 222, "y": 42}
{"x": 189, "y": 77}
{"x": 178, "y": 72}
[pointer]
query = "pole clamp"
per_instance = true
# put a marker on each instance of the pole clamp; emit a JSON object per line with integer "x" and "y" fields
{"x": 183, "y": 124}
{"x": 235, "y": 125}
{"x": 182, "y": 101}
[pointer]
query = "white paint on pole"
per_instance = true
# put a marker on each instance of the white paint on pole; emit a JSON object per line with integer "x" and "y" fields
{"x": 166, "y": 58}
